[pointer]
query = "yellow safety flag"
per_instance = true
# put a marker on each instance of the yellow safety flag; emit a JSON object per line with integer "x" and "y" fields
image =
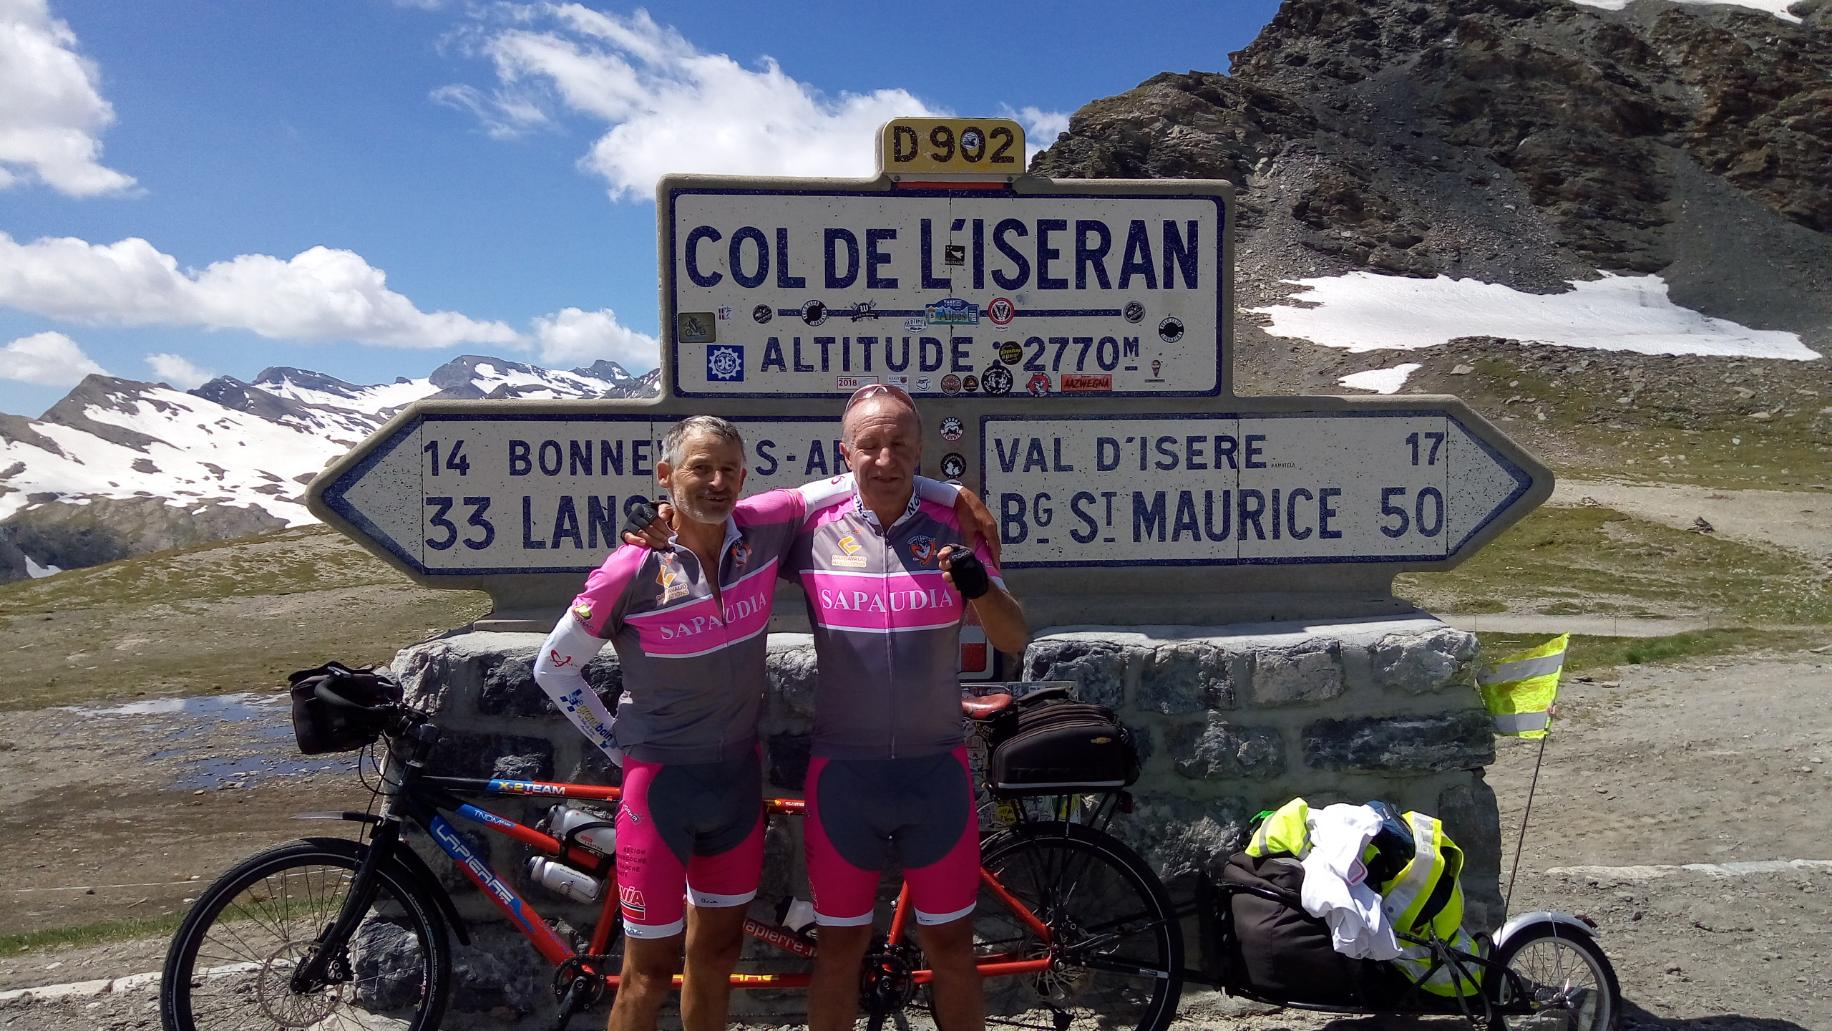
{"x": 1519, "y": 688}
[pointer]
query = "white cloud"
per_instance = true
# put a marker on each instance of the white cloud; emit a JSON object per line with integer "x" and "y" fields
{"x": 575, "y": 337}
{"x": 670, "y": 106}
{"x": 318, "y": 294}
{"x": 53, "y": 112}
{"x": 46, "y": 359}
{"x": 1040, "y": 127}
{"x": 177, "y": 370}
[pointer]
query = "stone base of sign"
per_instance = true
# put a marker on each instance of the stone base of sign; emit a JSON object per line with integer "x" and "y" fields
{"x": 1230, "y": 720}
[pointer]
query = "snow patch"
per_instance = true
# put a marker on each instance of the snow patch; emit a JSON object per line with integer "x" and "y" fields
{"x": 1778, "y": 8}
{"x": 1362, "y": 311}
{"x": 38, "y": 572}
{"x": 1381, "y": 381}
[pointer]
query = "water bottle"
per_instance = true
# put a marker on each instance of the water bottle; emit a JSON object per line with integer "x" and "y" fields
{"x": 563, "y": 880}
{"x": 562, "y": 820}
{"x": 795, "y": 914}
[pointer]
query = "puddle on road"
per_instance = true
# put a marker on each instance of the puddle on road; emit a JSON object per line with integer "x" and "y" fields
{"x": 219, "y": 707}
{"x": 220, "y": 741}
{"x": 250, "y": 770}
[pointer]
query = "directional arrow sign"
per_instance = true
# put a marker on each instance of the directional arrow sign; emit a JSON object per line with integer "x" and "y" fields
{"x": 475, "y": 492}
{"x": 1207, "y": 488}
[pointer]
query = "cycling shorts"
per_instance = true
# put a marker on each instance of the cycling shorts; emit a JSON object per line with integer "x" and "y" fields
{"x": 687, "y": 830}
{"x": 865, "y": 814}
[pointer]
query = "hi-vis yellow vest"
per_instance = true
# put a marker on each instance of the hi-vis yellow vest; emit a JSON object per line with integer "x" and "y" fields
{"x": 1424, "y": 899}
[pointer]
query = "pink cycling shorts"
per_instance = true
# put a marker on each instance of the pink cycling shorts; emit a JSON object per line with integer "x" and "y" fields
{"x": 687, "y": 830}
{"x": 866, "y": 814}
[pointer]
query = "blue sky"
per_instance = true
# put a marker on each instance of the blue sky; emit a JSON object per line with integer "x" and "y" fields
{"x": 370, "y": 188}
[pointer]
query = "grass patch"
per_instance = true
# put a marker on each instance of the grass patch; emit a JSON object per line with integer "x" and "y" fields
{"x": 1586, "y": 653}
{"x": 1574, "y": 561}
{"x": 228, "y": 616}
{"x": 90, "y": 934}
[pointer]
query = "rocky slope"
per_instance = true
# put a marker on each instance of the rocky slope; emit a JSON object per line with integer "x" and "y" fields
{"x": 1520, "y": 142}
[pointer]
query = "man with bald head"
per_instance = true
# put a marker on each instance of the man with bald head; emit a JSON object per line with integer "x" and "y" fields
{"x": 888, "y": 577}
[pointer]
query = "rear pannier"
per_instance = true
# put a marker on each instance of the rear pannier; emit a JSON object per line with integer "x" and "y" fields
{"x": 1061, "y": 747}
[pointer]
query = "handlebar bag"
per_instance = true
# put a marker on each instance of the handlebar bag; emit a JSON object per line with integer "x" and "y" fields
{"x": 1061, "y": 747}
{"x": 1280, "y": 953}
{"x": 322, "y": 726}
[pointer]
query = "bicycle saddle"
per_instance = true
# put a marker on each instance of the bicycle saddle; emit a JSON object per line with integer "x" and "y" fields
{"x": 984, "y": 707}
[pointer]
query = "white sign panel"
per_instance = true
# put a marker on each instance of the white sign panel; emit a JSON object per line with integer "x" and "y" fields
{"x": 814, "y": 292}
{"x": 1213, "y": 488}
{"x": 470, "y": 494}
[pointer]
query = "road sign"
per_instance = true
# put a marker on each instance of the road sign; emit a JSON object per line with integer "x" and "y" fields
{"x": 1069, "y": 344}
{"x": 1207, "y": 488}
{"x": 980, "y": 148}
{"x": 1119, "y": 288}
{"x": 476, "y": 491}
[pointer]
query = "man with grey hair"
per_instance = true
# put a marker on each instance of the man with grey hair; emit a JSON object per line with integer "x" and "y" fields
{"x": 688, "y": 619}
{"x": 889, "y": 576}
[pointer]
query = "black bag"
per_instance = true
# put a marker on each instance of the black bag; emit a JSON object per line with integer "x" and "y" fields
{"x": 1058, "y": 747}
{"x": 1280, "y": 953}
{"x": 322, "y": 726}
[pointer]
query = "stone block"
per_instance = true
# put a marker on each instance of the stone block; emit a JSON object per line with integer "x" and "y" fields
{"x": 790, "y": 670}
{"x": 1459, "y": 740}
{"x": 1420, "y": 663}
{"x": 492, "y": 755}
{"x": 1186, "y": 677}
{"x": 509, "y": 690}
{"x": 1472, "y": 820}
{"x": 605, "y": 674}
{"x": 593, "y": 767}
{"x": 786, "y": 756}
{"x": 1097, "y": 667}
{"x": 1307, "y": 672}
{"x": 491, "y": 978}
{"x": 1180, "y": 836}
{"x": 1215, "y": 749}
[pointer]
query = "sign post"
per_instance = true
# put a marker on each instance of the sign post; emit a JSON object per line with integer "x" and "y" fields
{"x": 1069, "y": 344}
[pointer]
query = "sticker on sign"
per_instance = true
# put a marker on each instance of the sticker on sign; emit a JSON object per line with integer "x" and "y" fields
{"x": 1210, "y": 488}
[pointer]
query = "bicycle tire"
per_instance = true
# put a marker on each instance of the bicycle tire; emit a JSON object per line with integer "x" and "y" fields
{"x": 1566, "y": 970}
{"x": 1117, "y": 945}
{"x": 228, "y": 965}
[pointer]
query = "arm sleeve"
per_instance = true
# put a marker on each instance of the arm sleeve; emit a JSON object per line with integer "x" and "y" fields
{"x": 938, "y": 491}
{"x": 820, "y": 493}
{"x": 560, "y": 671}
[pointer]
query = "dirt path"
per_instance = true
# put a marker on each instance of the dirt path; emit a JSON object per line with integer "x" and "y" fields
{"x": 1682, "y": 764}
{"x": 1799, "y": 521}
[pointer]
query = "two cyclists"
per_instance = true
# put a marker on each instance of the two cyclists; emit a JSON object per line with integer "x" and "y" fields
{"x": 688, "y": 620}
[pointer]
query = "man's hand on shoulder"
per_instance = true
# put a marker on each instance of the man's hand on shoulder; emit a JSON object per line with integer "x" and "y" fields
{"x": 647, "y": 526}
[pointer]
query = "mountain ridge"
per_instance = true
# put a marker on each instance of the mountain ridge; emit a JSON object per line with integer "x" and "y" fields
{"x": 120, "y": 467}
{"x": 1528, "y": 144}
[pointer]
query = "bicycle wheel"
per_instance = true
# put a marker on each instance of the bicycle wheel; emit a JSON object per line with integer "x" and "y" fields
{"x": 1115, "y": 947}
{"x": 231, "y": 963}
{"x": 1563, "y": 971}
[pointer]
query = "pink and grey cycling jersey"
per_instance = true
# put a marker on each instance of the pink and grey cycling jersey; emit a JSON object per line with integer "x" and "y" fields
{"x": 693, "y": 667}
{"x": 886, "y": 628}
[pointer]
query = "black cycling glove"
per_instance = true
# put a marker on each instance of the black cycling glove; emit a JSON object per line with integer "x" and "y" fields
{"x": 969, "y": 574}
{"x": 641, "y": 514}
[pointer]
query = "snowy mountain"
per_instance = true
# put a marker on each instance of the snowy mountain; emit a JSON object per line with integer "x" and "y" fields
{"x": 119, "y": 467}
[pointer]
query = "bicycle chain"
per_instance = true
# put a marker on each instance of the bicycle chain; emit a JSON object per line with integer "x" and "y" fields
{"x": 574, "y": 968}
